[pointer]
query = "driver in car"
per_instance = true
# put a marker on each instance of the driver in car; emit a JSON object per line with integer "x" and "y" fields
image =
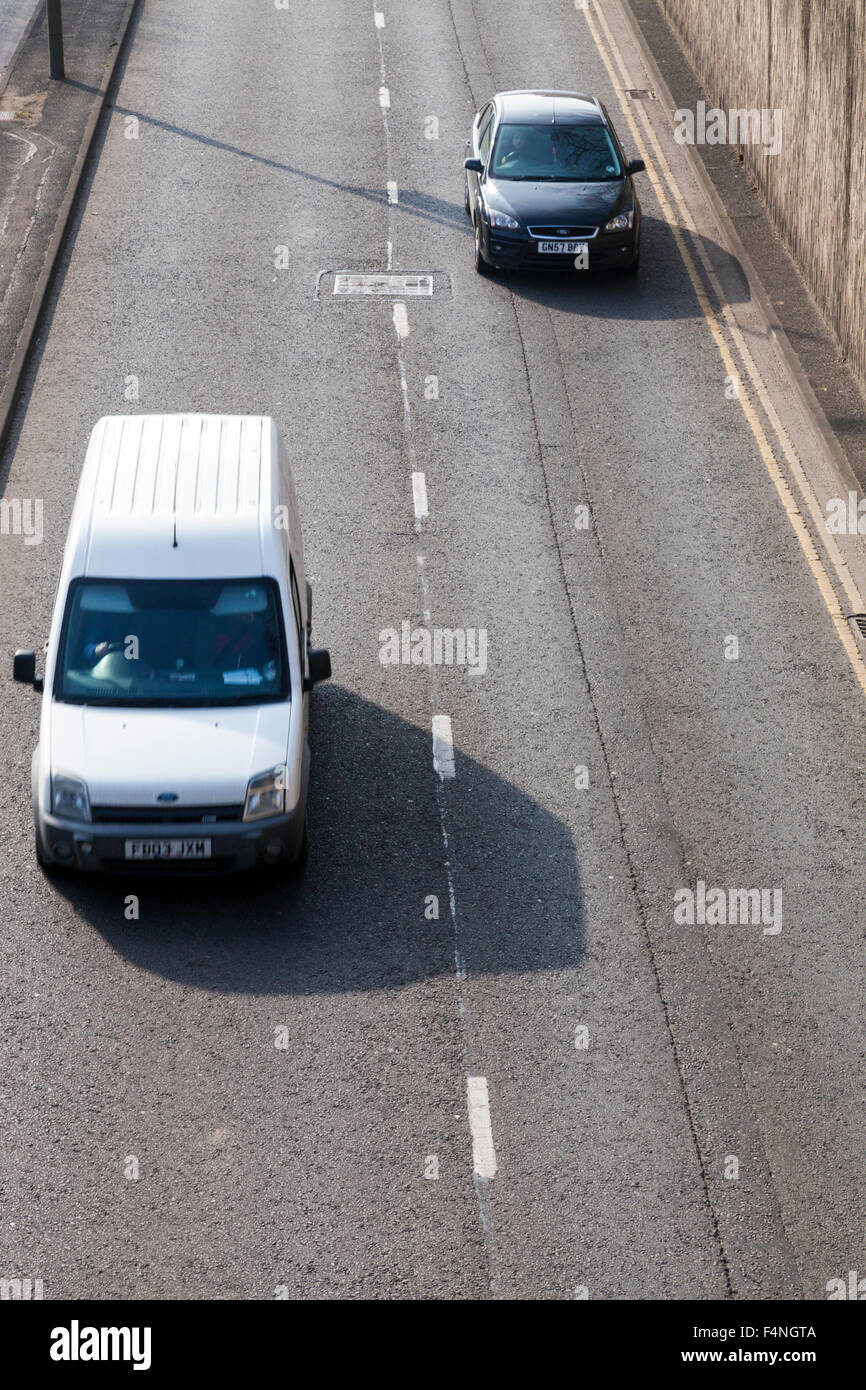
{"x": 525, "y": 152}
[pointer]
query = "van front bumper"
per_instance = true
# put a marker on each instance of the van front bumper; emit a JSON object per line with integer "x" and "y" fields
{"x": 234, "y": 845}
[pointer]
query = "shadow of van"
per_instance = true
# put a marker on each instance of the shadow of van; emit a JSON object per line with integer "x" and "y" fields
{"x": 361, "y": 916}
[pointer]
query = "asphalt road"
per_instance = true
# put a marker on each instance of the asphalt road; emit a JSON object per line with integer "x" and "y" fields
{"x": 710, "y": 1050}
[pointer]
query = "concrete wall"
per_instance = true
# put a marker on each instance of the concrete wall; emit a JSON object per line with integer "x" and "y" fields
{"x": 808, "y": 58}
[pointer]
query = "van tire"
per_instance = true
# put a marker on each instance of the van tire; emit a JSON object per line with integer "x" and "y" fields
{"x": 299, "y": 864}
{"x": 294, "y": 868}
{"x": 47, "y": 868}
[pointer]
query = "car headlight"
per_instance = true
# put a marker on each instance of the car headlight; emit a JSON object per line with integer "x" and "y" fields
{"x": 623, "y": 222}
{"x": 69, "y": 797}
{"x": 501, "y": 219}
{"x": 266, "y": 794}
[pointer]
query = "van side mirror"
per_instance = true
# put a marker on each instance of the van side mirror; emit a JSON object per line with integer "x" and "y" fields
{"x": 474, "y": 166}
{"x": 635, "y": 166}
{"x": 24, "y": 669}
{"x": 319, "y": 663}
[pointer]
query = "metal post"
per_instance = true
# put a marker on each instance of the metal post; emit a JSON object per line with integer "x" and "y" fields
{"x": 55, "y": 39}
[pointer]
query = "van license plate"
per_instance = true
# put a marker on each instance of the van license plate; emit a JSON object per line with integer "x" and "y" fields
{"x": 564, "y": 248}
{"x": 167, "y": 849}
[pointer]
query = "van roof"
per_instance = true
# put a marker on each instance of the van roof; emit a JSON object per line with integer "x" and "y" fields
{"x": 178, "y": 496}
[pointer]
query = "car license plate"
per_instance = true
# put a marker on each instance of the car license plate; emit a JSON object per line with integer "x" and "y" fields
{"x": 167, "y": 849}
{"x": 563, "y": 248}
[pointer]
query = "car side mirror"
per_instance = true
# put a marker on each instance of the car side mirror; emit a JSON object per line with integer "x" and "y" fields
{"x": 24, "y": 669}
{"x": 319, "y": 665}
{"x": 635, "y": 166}
{"x": 474, "y": 166}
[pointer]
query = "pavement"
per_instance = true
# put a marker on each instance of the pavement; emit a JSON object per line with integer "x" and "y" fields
{"x": 252, "y": 1089}
{"x": 45, "y": 132}
{"x": 15, "y": 16}
{"x": 818, "y": 355}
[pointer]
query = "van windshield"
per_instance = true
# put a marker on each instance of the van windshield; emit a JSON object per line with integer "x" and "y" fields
{"x": 172, "y": 642}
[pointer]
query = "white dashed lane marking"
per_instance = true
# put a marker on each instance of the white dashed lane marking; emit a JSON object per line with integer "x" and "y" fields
{"x": 419, "y": 494}
{"x": 443, "y": 746}
{"x": 392, "y": 191}
{"x": 483, "y": 1152}
{"x": 378, "y": 19}
{"x": 384, "y": 98}
{"x": 401, "y": 320}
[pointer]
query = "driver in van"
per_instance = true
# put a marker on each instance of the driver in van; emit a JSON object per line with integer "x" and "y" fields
{"x": 241, "y": 643}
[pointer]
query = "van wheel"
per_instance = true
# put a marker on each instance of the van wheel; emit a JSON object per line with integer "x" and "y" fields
{"x": 48, "y": 868}
{"x": 466, "y": 204}
{"x": 300, "y": 863}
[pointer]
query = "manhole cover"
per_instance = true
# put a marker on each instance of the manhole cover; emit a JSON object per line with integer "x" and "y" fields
{"x": 640, "y": 93}
{"x": 348, "y": 282}
{"x": 859, "y": 619}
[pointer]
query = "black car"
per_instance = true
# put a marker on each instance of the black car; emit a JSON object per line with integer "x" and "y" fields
{"x": 548, "y": 185}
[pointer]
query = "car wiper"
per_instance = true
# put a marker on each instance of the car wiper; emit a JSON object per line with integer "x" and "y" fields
{"x": 534, "y": 178}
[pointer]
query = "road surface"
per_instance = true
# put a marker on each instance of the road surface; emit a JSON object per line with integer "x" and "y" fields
{"x": 255, "y": 1089}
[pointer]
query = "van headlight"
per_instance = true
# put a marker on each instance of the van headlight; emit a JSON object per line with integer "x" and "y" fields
{"x": 266, "y": 794}
{"x": 69, "y": 797}
{"x": 622, "y": 222}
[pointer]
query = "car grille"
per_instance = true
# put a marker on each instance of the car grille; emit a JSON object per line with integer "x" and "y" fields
{"x": 563, "y": 233}
{"x": 166, "y": 815}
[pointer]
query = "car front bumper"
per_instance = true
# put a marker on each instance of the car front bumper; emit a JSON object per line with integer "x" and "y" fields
{"x": 101, "y": 847}
{"x": 517, "y": 251}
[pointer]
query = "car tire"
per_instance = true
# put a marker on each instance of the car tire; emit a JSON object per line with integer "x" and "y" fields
{"x": 633, "y": 266}
{"x": 482, "y": 267}
{"x": 467, "y": 207}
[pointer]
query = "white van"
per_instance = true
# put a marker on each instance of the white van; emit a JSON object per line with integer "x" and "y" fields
{"x": 178, "y": 668}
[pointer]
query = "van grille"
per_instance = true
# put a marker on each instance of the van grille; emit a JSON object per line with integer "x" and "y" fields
{"x": 167, "y": 815}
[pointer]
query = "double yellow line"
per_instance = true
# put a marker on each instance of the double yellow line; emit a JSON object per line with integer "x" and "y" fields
{"x": 670, "y": 197}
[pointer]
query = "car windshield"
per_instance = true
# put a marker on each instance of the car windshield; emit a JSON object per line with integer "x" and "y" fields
{"x": 172, "y": 642}
{"x": 558, "y": 153}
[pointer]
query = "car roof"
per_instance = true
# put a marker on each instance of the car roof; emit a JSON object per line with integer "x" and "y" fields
{"x": 178, "y": 496}
{"x": 565, "y": 108}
